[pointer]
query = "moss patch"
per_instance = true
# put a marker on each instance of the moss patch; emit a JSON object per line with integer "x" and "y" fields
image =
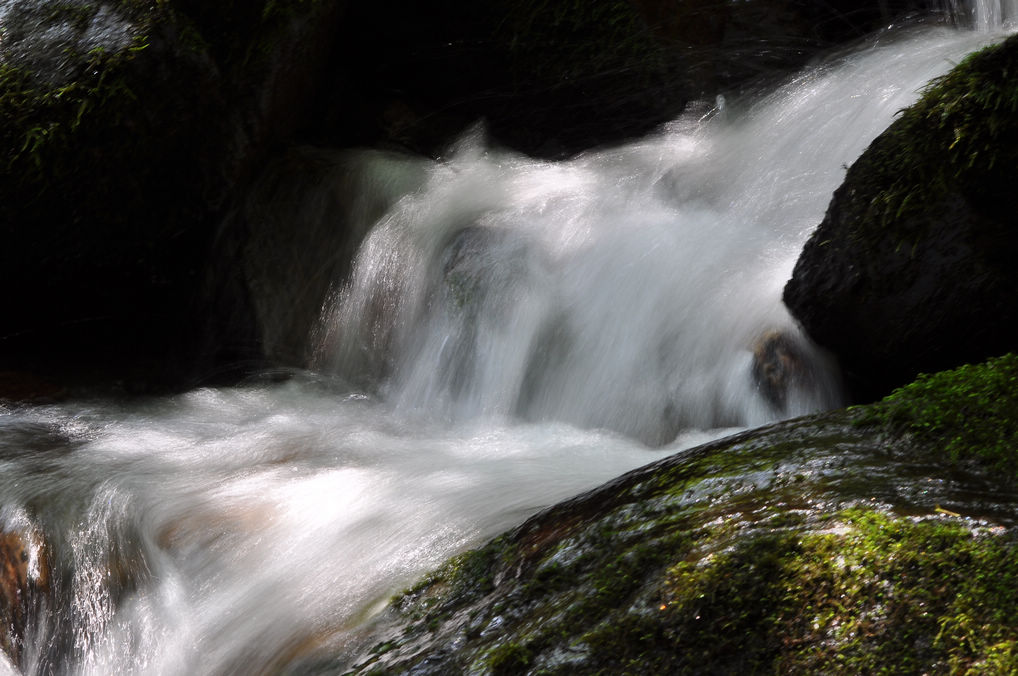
{"x": 959, "y": 132}
{"x": 875, "y": 594}
{"x": 967, "y": 414}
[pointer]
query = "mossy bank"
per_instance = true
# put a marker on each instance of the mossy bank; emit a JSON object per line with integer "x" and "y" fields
{"x": 849, "y": 542}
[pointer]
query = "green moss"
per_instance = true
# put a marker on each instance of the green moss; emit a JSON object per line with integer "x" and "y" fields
{"x": 874, "y": 594}
{"x": 509, "y": 658}
{"x": 970, "y": 413}
{"x": 41, "y": 118}
{"x": 958, "y": 136}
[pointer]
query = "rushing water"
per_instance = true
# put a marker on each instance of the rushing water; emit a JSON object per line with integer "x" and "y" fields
{"x": 513, "y": 332}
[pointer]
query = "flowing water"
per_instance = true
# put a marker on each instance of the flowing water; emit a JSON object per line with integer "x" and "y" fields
{"x": 513, "y": 332}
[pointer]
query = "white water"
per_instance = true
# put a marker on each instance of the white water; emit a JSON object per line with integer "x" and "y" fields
{"x": 616, "y": 304}
{"x": 986, "y": 15}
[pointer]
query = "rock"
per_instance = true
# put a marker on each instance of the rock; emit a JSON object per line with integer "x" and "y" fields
{"x": 24, "y": 583}
{"x": 912, "y": 268}
{"x": 845, "y": 542}
{"x": 482, "y": 262}
{"x": 28, "y": 388}
{"x": 129, "y": 129}
{"x": 731, "y": 45}
{"x": 780, "y": 364}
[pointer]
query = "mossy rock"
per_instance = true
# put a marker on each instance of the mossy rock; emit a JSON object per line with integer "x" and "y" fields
{"x": 968, "y": 415}
{"x": 126, "y": 137}
{"x": 847, "y": 542}
{"x": 912, "y": 268}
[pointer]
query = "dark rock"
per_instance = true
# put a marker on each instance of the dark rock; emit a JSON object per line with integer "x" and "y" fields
{"x": 727, "y": 45}
{"x": 121, "y": 157}
{"x": 912, "y": 268}
{"x": 281, "y": 252}
{"x": 28, "y": 388}
{"x": 24, "y": 582}
{"x": 780, "y": 363}
{"x": 554, "y": 78}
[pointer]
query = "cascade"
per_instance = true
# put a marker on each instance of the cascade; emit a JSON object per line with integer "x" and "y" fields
{"x": 512, "y": 332}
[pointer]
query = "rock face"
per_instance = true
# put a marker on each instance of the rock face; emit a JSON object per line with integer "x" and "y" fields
{"x": 128, "y": 126}
{"x": 912, "y": 268}
{"x": 780, "y": 363}
{"x": 841, "y": 543}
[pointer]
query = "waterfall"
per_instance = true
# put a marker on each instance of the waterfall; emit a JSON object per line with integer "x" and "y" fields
{"x": 984, "y": 15}
{"x": 512, "y": 332}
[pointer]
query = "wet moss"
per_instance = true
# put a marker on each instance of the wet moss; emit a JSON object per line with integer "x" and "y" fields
{"x": 873, "y": 593}
{"x": 959, "y": 136}
{"x": 509, "y": 658}
{"x": 969, "y": 414}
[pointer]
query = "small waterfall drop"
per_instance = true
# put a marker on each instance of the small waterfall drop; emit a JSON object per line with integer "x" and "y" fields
{"x": 513, "y": 332}
{"x": 635, "y": 289}
{"x": 984, "y": 15}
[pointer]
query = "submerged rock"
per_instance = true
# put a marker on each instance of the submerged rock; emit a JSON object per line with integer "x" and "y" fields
{"x": 24, "y": 584}
{"x": 846, "y": 542}
{"x": 780, "y": 364}
{"x": 912, "y": 268}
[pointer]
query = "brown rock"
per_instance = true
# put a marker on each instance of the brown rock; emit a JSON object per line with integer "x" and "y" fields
{"x": 24, "y": 579}
{"x": 779, "y": 364}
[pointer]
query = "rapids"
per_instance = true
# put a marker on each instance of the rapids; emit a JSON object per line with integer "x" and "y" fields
{"x": 513, "y": 332}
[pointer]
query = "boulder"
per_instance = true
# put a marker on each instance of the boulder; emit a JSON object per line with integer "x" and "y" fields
{"x": 846, "y": 542}
{"x": 128, "y": 129}
{"x": 781, "y": 363}
{"x": 912, "y": 269}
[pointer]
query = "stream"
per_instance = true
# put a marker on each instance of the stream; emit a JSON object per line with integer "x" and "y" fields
{"x": 513, "y": 332}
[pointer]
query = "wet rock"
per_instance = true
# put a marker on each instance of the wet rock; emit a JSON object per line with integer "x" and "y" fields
{"x": 553, "y": 79}
{"x": 845, "y": 542}
{"x": 286, "y": 246}
{"x": 43, "y": 37}
{"x": 780, "y": 363}
{"x": 481, "y": 262}
{"x": 24, "y": 583}
{"x": 129, "y": 128}
{"x": 912, "y": 269}
{"x": 729, "y": 45}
